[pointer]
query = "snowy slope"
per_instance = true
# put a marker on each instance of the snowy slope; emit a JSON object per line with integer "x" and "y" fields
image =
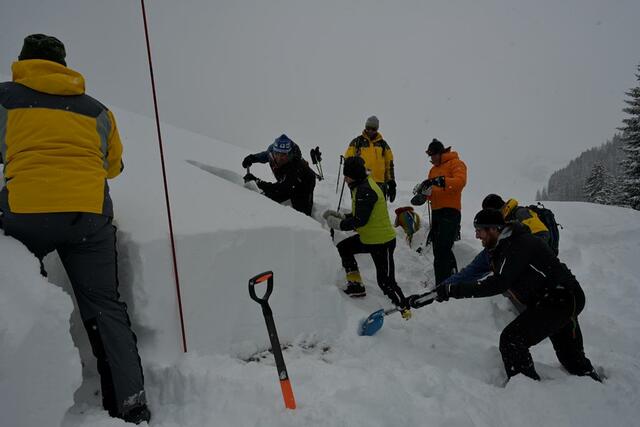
{"x": 440, "y": 368}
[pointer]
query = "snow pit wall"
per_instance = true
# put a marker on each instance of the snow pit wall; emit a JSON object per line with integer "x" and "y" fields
{"x": 214, "y": 269}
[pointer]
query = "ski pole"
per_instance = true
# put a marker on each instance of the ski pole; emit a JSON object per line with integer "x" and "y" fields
{"x": 339, "y": 203}
{"x": 285, "y": 385}
{"x": 339, "y": 172}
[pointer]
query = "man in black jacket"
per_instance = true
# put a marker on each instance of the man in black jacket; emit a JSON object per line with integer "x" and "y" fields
{"x": 525, "y": 267}
{"x": 295, "y": 179}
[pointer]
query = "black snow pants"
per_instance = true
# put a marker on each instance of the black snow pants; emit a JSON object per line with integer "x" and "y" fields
{"x": 555, "y": 316}
{"x": 382, "y": 255}
{"x": 445, "y": 226}
{"x": 86, "y": 244}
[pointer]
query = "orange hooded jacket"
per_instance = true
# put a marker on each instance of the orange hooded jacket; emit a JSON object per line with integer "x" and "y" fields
{"x": 455, "y": 178}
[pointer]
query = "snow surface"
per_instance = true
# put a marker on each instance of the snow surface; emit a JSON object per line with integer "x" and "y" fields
{"x": 440, "y": 368}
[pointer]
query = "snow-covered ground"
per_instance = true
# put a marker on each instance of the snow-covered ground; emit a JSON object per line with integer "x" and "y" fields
{"x": 440, "y": 368}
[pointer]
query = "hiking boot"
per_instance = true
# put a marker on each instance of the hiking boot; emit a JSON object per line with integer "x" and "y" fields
{"x": 137, "y": 415}
{"x": 355, "y": 290}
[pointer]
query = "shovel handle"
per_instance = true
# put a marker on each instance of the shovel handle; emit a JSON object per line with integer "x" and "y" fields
{"x": 267, "y": 276}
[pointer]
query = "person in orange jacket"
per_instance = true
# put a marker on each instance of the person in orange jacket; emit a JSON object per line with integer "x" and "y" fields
{"x": 443, "y": 188}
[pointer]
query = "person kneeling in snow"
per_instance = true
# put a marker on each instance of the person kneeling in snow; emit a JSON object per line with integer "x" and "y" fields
{"x": 376, "y": 235}
{"x": 295, "y": 179}
{"x": 57, "y": 159}
{"x": 526, "y": 267}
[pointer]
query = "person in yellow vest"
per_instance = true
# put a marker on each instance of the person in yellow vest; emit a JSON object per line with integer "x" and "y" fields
{"x": 377, "y": 156}
{"x": 376, "y": 236}
{"x": 59, "y": 147}
{"x": 512, "y": 212}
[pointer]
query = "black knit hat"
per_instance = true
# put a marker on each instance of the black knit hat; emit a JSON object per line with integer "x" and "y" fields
{"x": 435, "y": 147}
{"x": 492, "y": 201}
{"x": 489, "y": 218}
{"x": 354, "y": 168}
{"x": 41, "y": 46}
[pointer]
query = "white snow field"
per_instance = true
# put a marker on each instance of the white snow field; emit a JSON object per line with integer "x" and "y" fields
{"x": 441, "y": 368}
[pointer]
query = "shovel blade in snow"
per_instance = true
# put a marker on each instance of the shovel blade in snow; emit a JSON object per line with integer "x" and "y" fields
{"x": 371, "y": 324}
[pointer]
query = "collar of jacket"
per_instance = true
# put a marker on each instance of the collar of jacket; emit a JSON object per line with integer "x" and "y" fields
{"x": 512, "y": 229}
{"x": 376, "y": 138}
{"x": 509, "y": 207}
{"x": 448, "y": 156}
{"x": 48, "y": 77}
{"x": 355, "y": 184}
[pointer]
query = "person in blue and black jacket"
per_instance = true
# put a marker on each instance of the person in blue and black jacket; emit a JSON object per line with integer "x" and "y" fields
{"x": 526, "y": 267}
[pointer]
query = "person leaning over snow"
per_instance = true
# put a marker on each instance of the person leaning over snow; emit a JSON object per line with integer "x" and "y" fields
{"x": 267, "y": 156}
{"x": 57, "y": 159}
{"x": 480, "y": 265}
{"x": 443, "y": 186}
{"x": 512, "y": 212}
{"x": 377, "y": 156}
{"x": 527, "y": 268}
{"x": 296, "y": 180}
{"x": 376, "y": 235}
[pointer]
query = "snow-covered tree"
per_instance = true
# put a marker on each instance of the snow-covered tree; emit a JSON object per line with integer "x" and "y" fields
{"x": 631, "y": 138}
{"x": 598, "y": 187}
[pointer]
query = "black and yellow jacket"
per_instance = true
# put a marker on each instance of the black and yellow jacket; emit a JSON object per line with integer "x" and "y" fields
{"x": 377, "y": 156}
{"x": 58, "y": 145}
{"x": 512, "y": 212}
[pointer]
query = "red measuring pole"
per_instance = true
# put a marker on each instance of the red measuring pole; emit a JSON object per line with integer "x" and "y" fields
{"x": 164, "y": 180}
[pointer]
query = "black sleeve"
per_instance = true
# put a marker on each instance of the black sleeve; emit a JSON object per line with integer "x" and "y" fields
{"x": 279, "y": 191}
{"x": 366, "y": 198}
{"x": 510, "y": 268}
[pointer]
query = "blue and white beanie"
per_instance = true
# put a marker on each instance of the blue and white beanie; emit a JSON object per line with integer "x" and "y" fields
{"x": 282, "y": 144}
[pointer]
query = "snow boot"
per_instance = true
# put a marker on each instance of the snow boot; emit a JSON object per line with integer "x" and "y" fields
{"x": 355, "y": 290}
{"x": 137, "y": 415}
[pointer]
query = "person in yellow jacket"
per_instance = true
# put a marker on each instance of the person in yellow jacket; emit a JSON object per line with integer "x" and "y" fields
{"x": 512, "y": 212}
{"x": 377, "y": 156}
{"x": 443, "y": 187}
{"x": 376, "y": 236}
{"x": 59, "y": 146}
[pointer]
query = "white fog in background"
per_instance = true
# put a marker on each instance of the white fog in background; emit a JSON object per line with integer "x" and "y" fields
{"x": 518, "y": 88}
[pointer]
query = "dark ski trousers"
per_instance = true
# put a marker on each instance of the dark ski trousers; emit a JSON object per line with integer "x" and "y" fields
{"x": 445, "y": 226}
{"x": 382, "y": 255}
{"x": 555, "y": 316}
{"x": 86, "y": 244}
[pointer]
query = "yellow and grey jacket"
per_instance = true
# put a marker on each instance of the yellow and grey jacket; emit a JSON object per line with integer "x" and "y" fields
{"x": 377, "y": 156}
{"x": 58, "y": 145}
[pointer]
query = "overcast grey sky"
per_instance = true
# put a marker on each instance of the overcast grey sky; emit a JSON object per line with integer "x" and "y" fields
{"x": 517, "y": 87}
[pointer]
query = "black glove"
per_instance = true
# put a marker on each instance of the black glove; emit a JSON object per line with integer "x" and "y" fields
{"x": 248, "y": 161}
{"x": 418, "y": 200}
{"x": 251, "y": 177}
{"x": 391, "y": 190}
{"x": 438, "y": 181}
{"x": 415, "y": 302}
{"x": 444, "y": 292}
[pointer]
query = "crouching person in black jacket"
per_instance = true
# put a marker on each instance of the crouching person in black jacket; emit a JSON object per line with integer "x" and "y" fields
{"x": 525, "y": 267}
{"x": 295, "y": 179}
